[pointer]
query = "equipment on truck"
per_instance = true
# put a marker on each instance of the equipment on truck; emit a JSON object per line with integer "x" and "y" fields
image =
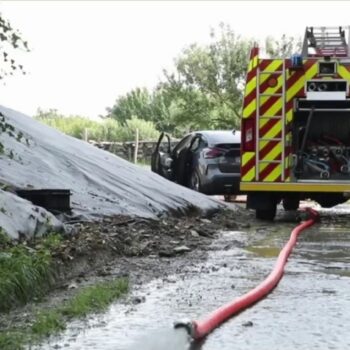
{"x": 296, "y": 125}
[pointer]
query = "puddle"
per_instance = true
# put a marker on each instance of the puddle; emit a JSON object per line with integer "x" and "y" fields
{"x": 163, "y": 339}
{"x": 265, "y": 252}
{"x": 308, "y": 309}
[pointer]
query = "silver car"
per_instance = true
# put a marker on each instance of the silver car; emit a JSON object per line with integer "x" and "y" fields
{"x": 206, "y": 161}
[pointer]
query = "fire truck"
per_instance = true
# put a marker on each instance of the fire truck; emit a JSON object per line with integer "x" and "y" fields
{"x": 296, "y": 125}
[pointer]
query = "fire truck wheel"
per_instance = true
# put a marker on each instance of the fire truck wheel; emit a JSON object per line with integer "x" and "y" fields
{"x": 266, "y": 214}
{"x": 291, "y": 203}
{"x": 229, "y": 197}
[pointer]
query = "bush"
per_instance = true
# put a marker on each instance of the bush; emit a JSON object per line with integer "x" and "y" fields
{"x": 102, "y": 130}
{"x": 147, "y": 130}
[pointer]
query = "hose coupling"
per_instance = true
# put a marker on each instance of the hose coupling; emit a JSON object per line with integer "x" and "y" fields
{"x": 309, "y": 213}
{"x": 188, "y": 325}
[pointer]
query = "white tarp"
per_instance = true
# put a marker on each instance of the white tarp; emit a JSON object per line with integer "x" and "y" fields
{"x": 18, "y": 216}
{"x": 37, "y": 156}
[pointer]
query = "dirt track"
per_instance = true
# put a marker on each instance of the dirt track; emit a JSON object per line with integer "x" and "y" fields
{"x": 121, "y": 236}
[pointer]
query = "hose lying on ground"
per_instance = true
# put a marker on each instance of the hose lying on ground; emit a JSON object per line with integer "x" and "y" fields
{"x": 200, "y": 328}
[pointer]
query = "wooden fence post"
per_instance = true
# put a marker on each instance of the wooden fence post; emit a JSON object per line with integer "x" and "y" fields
{"x": 136, "y": 149}
{"x": 85, "y": 134}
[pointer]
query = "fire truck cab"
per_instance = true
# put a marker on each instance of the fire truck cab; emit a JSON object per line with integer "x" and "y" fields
{"x": 296, "y": 125}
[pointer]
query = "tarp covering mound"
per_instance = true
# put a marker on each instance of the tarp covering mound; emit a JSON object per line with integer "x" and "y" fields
{"x": 19, "y": 217}
{"x": 35, "y": 156}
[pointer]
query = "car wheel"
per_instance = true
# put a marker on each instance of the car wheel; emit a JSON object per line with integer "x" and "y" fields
{"x": 266, "y": 214}
{"x": 195, "y": 184}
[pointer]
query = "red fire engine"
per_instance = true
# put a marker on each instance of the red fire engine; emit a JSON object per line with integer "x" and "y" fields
{"x": 296, "y": 125}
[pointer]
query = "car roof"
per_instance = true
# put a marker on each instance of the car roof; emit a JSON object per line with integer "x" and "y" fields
{"x": 220, "y": 136}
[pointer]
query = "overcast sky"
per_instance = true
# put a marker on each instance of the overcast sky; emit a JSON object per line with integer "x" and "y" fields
{"x": 86, "y": 53}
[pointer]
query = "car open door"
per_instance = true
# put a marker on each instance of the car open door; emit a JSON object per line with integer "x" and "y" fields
{"x": 183, "y": 162}
{"x": 161, "y": 160}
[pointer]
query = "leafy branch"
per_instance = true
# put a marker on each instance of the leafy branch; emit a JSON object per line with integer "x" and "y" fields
{"x": 10, "y": 41}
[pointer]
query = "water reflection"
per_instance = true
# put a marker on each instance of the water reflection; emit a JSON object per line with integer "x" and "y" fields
{"x": 163, "y": 339}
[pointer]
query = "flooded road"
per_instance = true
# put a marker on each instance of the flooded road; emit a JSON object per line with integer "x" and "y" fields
{"x": 309, "y": 309}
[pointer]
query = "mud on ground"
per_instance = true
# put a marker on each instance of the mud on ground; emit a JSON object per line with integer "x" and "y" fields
{"x": 121, "y": 246}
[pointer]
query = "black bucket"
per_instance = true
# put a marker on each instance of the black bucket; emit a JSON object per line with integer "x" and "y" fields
{"x": 53, "y": 200}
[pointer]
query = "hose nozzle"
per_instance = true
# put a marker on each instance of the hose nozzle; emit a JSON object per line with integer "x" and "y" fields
{"x": 188, "y": 325}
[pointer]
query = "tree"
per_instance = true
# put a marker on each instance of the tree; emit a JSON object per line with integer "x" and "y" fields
{"x": 205, "y": 88}
{"x": 285, "y": 47}
{"x": 143, "y": 104}
{"x": 217, "y": 71}
{"x": 205, "y": 91}
{"x": 187, "y": 107}
{"x": 10, "y": 41}
{"x": 208, "y": 82}
{"x": 137, "y": 103}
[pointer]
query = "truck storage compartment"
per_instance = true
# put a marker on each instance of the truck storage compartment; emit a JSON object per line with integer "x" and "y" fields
{"x": 321, "y": 140}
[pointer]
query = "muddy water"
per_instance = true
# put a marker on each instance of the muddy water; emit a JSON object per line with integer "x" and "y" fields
{"x": 310, "y": 308}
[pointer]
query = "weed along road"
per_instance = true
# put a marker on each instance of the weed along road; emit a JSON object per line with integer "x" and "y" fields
{"x": 307, "y": 310}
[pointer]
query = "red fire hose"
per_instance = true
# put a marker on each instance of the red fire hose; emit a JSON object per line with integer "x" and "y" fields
{"x": 201, "y": 328}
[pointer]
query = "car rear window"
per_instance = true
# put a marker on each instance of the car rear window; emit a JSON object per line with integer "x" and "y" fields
{"x": 228, "y": 145}
{"x": 224, "y": 137}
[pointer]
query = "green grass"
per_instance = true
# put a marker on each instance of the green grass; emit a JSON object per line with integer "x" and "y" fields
{"x": 47, "y": 323}
{"x": 95, "y": 298}
{"x": 11, "y": 340}
{"x": 90, "y": 299}
{"x": 25, "y": 274}
{"x": 50, "y": 242}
